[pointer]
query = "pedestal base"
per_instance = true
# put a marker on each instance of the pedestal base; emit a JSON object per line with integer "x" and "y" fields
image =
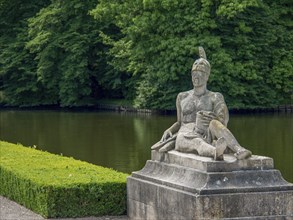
{"x": 170, "y": 187}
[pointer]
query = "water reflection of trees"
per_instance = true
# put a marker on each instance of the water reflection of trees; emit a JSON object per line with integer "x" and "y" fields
{"x": 268, "y": 135}
{"x": 123, "y": 141}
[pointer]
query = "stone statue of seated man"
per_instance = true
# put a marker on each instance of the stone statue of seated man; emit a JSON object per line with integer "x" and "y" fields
{"x": 202, "y": 118}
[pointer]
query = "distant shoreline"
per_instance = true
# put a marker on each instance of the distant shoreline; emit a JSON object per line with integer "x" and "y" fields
{"x": 121, "y": 108}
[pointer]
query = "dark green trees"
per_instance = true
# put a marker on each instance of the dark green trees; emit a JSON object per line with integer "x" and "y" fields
{"x": 54, "y": 55}
{"x": 18, "y": 78}
{"x": 74, "y": 52}
{"x": 248, "y": 44}
{"x": 261, "y": 51}
{"x": 63, "y": 38}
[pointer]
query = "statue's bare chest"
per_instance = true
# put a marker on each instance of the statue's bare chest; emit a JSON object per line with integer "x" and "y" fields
{"x": 191, "y": 104}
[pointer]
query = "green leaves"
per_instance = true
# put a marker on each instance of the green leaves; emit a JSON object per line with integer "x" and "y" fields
{"x": 57, "y": 52}
{"x": 230, "y": 8}
{"x": 68, "y": 53}
{"x": 61, "y": 45}
{"x": 160, "y": 40}
{"x": 17, "y": 66}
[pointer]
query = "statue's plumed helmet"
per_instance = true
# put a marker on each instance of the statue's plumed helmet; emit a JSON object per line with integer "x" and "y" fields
{"x": 202, "y": 63}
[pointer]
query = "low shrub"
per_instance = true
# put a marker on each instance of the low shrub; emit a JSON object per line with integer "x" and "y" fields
{"x": 57, "y": 186}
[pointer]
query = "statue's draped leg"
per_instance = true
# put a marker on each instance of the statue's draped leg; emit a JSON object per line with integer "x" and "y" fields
{"x": 218, "y": 130}
{"x": 194, "y": 145}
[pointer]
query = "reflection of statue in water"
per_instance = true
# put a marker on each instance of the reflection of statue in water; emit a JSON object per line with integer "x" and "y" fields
{"x": 202, "y": 117}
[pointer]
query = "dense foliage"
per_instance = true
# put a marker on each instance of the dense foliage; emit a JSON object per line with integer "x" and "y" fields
{"x": 73, "y": 52}
{"x": 57, "y": 186}
{"x": 17, "y": 66}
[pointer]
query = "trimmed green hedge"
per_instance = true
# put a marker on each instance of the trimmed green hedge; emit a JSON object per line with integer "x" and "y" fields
{"x": 57, "y": 186}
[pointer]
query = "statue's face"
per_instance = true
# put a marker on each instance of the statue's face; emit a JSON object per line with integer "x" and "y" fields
{"x": 199, "y": 74}
{"x": 199, "y": 78}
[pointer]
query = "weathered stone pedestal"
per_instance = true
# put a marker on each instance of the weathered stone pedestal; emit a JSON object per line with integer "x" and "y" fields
{"x": 177, "y": 186}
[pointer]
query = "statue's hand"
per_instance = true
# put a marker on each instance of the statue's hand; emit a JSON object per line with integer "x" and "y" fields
{"x": 167, "y": 134}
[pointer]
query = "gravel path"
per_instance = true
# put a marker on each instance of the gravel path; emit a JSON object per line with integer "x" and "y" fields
{"x": 10, "y": 210}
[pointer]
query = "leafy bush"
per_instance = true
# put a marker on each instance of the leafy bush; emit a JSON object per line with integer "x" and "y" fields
{"x": 57, "y": 186}
{"x": 248, "y": 44}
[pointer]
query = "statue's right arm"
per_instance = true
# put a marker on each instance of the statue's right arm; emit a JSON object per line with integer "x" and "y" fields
{"x": 176, "y": 126}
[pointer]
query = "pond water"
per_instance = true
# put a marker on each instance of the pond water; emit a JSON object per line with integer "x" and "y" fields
{"x": 122, "y": 141}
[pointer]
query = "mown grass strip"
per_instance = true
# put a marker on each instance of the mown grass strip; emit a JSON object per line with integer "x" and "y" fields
{"x": 57, "y": 186}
